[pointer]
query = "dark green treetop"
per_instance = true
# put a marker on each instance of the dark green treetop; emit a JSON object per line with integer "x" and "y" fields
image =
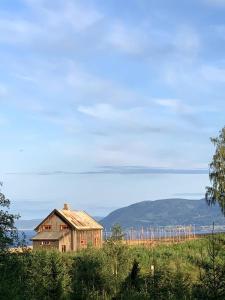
{"x": 117, "y": 233}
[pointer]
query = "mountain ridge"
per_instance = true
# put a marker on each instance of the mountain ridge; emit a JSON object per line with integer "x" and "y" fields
{"x": 165, "y": 212}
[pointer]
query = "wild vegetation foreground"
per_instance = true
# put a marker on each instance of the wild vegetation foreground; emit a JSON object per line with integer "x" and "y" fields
{"x": 190, "y": 270}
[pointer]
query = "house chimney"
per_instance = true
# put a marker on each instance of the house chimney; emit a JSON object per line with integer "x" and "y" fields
{"x": 66, "y": 206}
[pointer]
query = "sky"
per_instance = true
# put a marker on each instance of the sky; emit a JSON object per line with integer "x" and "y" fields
{"x": 108, "y": 103}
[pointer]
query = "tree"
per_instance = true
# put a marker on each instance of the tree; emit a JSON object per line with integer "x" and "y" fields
{"x": 8, "y": 231}
{"x": 216, "y": 192}
{"x": 211, "y": 285}
{"x": 88, "y": 275}
{"x": 47, "y": 275}
{"x": 117, "y": 233}
{"x": 133, "y": 279}
{"x": 133, "y": 285}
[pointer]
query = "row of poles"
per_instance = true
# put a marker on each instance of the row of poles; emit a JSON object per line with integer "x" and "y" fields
{"x": 159, "y": 233}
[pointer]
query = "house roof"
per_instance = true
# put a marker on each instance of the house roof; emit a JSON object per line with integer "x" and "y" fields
{"x": 48, "y": 235}
{"x": 79, "y": 220}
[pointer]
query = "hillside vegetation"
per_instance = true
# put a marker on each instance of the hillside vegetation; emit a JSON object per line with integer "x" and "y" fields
{"x": 190, "y": 270}
{"x": 165, "y": 212}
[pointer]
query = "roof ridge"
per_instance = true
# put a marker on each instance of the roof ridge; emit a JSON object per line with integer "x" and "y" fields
{"x": 78, "y": 219}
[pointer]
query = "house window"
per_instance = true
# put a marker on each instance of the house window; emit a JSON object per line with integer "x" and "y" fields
{"x": 45, "y": 243}
{"x": 63, "y": 248}
{"x": 64, "y": 227}
{"x": 47, "y": 227}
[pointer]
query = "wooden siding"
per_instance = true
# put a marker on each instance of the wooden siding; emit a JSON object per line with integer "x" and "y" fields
{"x": 65, "y": 241}
{"x": 37, "y": 245}
{"x": 56, "y": 223}
{"x": 89, "y": 237}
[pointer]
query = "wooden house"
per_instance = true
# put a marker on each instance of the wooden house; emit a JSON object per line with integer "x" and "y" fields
{"x": 67, "y": 230}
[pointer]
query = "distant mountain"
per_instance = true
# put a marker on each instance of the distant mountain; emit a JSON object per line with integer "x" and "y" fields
{"x": 165, "y": 212}
{"x": 27, "y": 224}
{"x": 97, "y": 218}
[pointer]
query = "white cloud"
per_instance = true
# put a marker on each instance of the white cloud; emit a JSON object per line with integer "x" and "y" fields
{"x": 172, "y": 103}
{"x": 100, "y": 111}
{"x": 3, "y": 91}
{"x": 187, "y": 41}
{"x": 148, "y": 41}
{"x": 96, "y": 88}
{"x": 213, "y": 73}
{"x": 218, "y": 3}
{"x": 127, "y": 39}
{"x": 4, "y": 120}
{"x": 48, "y": 24}
{"x": 16, "y": 30}
{"x": 107, "y": 112}
{"x": 219, "y": 30}
{"x": 132, "y": 120}
{"x": 67, "y": 13}
{"x": 175, "y": 104}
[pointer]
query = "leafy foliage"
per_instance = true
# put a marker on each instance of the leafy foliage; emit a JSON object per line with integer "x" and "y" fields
{"x": 216, "y": 192}
{"x": 212, "y": 271}
{"x": 188, "y": 271}
{"x": 88, "y": 274}
{"x": 8, "y": 231}
{"x": 34, "y": 275}
{"x": 116, "y": 233}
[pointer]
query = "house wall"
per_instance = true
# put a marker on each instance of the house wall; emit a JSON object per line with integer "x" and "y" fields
{"x": 65, "y": 241}
{"x": 54, "y": 221}
{"x": 37, "y": 245}
{"x": 74, "y": 240}
{"x": 56, "y": 224}
{"x": 88, "y": 237}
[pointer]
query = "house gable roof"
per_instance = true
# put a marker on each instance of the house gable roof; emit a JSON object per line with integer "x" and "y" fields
{"x": 79, "y": 220}
{"x": 55, "y": 211}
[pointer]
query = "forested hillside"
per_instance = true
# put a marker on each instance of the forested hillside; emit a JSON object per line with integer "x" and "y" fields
{"x": 165, "y": 212}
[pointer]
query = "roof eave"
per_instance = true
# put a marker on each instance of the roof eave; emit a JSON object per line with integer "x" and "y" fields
{"x": 45, "y": 239}
{"x": 92, "y": 228}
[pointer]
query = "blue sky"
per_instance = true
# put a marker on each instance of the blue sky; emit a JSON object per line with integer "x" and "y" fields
{"x": 106, "y": 103}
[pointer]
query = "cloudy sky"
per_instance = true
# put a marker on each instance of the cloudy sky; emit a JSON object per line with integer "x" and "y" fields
{"x": 106, "y": 103}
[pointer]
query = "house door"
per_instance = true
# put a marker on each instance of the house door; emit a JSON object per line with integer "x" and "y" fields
{"x": 63, "y": 248}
